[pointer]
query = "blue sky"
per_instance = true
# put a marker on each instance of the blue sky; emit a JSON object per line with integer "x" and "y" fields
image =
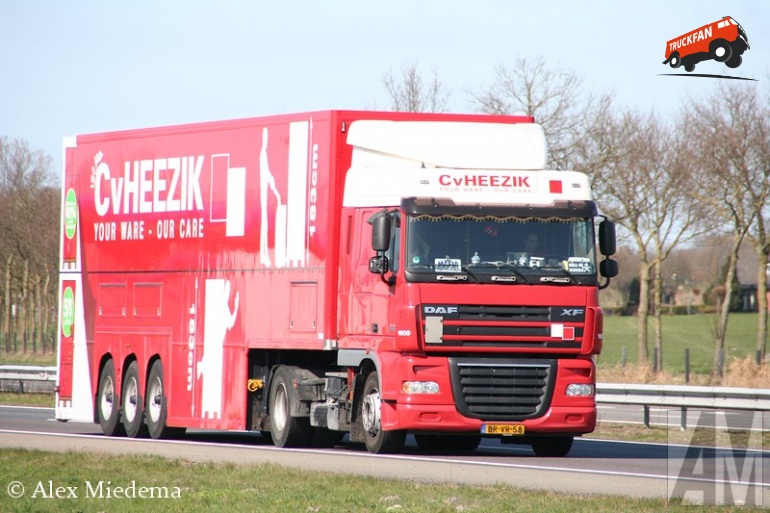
{"x": 79, "y": 67}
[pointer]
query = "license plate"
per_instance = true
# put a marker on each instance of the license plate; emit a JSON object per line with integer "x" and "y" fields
{"x": 503, "y": 429}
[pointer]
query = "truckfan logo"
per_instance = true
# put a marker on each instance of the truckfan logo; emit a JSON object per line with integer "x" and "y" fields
{"x": 723, "y": 40}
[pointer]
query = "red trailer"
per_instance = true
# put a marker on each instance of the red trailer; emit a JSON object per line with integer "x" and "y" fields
{"x": 325, "y": 273}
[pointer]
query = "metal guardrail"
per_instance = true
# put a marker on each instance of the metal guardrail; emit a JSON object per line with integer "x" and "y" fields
{"x": 27, "y": 379}
{"x": 683, "y": 397}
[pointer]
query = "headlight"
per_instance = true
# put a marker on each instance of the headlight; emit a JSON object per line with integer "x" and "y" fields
{"x": 420, "y": 387}
{"x": 580, "y": 390}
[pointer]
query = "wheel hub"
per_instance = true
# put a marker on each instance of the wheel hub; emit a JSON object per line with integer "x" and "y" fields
{"x": 370, "y": 413}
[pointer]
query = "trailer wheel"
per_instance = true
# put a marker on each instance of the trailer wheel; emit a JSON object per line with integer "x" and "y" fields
{"x": 285, "y": 430}
{"x": 156, "y": 406}
{"x": 108, "y": 405}
{"x": 720, "y": 50}
{"x": 448, "y": 442}
{"x": 132, "y": 403}
{"x": 377, "y": 440}
{"x": 552, "y": 446}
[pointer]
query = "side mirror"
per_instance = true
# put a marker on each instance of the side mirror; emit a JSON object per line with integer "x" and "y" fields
{"x": 607, "y": 238}
{"x": 379, "y": 264}
{"x": 608, "y": 268}
{"x": 380, "y": 232}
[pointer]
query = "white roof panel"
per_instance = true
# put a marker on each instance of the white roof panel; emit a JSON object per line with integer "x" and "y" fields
{"x": 461, "y": 145}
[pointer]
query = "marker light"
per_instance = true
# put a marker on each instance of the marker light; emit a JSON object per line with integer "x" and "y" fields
{"x": 420, "y": 387}
{"x": 580, "y": 390}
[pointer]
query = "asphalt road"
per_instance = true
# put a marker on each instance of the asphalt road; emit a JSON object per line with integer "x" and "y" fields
{"x": 592, "y": 467}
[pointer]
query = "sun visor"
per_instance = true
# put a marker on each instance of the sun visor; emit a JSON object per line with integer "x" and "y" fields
{"x": 460, "y": 145}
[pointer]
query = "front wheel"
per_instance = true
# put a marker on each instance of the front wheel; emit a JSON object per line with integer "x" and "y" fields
{"x": 156, "y": 406}
{"x": 108, "y": 407}
{"x": 131, "y": 400}
{"x": 377, "y": 440}
{"x": 734, "y": 62}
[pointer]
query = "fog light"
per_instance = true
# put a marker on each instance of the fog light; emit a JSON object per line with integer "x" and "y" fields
{"x": 580, "y": 390}
{"x": 420, "y": 387}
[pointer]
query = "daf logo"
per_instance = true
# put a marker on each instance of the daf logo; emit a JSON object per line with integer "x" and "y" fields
{"x": 572, "y": 312}
{"x": 439, "y": 309}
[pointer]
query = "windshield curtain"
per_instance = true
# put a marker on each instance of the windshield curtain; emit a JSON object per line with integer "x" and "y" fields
{"x": 495, "y": 244}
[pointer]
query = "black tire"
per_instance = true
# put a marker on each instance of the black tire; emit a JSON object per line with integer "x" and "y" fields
{"x": 156, "y": 405}
{"x": 689, "y": 67}
{"x": 285, "y": 430}
{"x": 552, "y": 446}
{"x": 720, "y": 50}
{"x": 376, "y": 439}
{"x": 675, "y": 61}
{"x": 108, "y": 403}
{"x": 734, "y": 62}
{"x": 131, "y": 402}
{"x": 448, "y": 442}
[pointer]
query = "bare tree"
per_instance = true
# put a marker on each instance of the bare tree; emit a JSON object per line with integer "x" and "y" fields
{"x": 410, "y": 93}
{"x": 28, "y": 239}
{"x": 729, "y": 134}
{"x": 643, "y": 183}
{"x": 557, "y": 100}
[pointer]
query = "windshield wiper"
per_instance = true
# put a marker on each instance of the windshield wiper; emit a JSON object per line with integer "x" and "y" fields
{"x": 568, "y": 276}
{"x": 471, "y": 273}
{"x": 503, "y": 265}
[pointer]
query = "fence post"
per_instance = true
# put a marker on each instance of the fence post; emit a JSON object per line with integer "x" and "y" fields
{"x": 687, "y": 365}
{"x": 721, "y": 363}
{"x": 655, "y": 359}
{"x": 623, "y": 356}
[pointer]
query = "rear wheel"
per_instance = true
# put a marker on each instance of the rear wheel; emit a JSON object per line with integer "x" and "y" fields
{"x": 156, "y": 406}
{"x": 552, "y": 446}
{"x": 734, "y": 62}
{"x": 675, "y": 61}
{"x": 285, "y": 430}
{"x": 377, "y": 440}
{"x": 132, "y": 403}
{"x": 108, "y": 410}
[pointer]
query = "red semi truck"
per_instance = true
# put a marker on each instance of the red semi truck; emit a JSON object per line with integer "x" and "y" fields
{"x": 317, "y": 274}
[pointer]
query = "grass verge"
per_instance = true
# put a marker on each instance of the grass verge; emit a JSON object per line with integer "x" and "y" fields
{"x": 182, "y": 486}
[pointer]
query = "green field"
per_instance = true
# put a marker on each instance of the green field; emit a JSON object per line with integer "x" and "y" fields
{"x": 680, "y": 332}
{"x": 115, "y": 484}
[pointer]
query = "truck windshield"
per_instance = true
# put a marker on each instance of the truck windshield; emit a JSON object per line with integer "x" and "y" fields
{"x": 497, "y": 249}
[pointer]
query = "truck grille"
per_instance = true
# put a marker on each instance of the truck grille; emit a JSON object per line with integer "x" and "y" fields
{"x": 496, "y": 389}
{"x": 503, "y": 326}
